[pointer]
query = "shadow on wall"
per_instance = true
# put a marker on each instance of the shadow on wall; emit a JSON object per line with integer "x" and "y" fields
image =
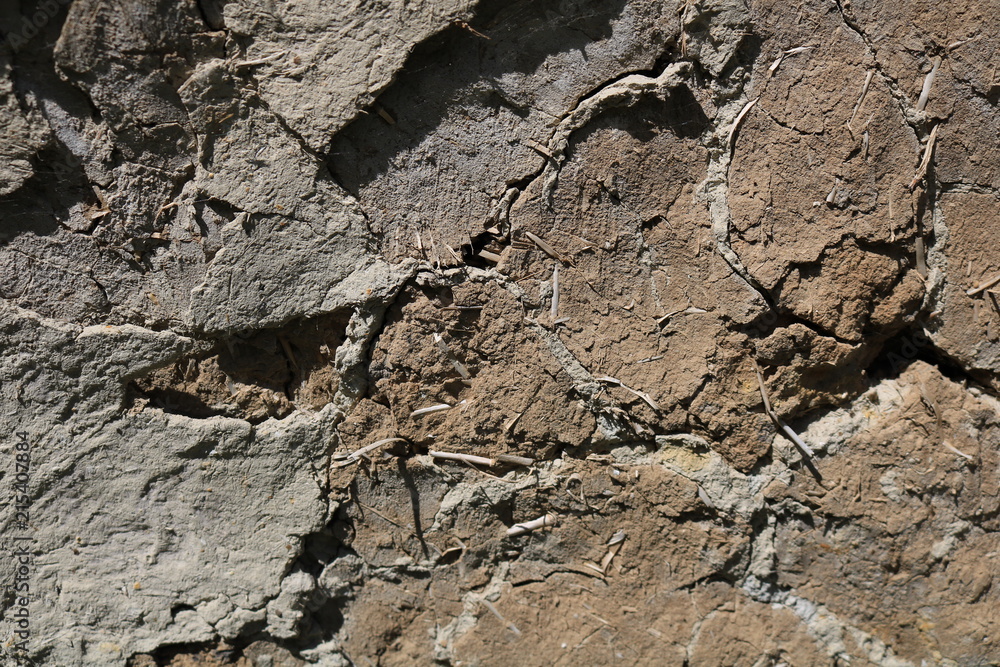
{"x": 679, "y": 112}
{"x": 265, "y": 374}
{"x": 461, "y": 69}
{"x": 28, "y": 33}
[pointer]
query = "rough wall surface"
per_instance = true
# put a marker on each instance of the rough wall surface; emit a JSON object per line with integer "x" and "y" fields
{"x": 708, "y": 284}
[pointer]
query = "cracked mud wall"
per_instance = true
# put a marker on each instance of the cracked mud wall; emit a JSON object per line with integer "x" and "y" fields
{"x": 261, "y": 263}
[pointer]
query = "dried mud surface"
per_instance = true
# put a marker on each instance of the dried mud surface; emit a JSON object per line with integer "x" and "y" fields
{"x": 707, "y": 285}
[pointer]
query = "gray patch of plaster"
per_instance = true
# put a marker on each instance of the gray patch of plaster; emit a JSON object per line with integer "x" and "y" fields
{"x": 185, "y": 524}
{"x": 318, "y": 68}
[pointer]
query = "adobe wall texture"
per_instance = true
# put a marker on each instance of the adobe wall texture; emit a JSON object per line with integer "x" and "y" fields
{"x": 241, "y": 240}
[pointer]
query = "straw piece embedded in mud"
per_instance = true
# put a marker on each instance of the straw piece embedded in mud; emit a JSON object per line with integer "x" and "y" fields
{"x": 348, "y": 459}
{"x": 260, "y": 61}
{"x": 287, "y": 349}
{"x": 493, "y": 610}
{"x": 703, "y": 495}
{"x": 739, "y": 119}
{"x": 440, "y": 407}
{"x": 511, "y": 422}
{"x": 641, "y": 394}
{"x": 534, "y": 524}
{"x": 925, "y": 91}
{"x": 921, "y": 251}
{"x": 384, "y": 115}
{"x": 784, "y": 54}
{"x": 467, "y": 458}
{"x": 949, "y": 447}
{"x": 962, "y": 42}
{"x": 543, "y": 150}
{"x": 926, "y": 162}
{"x": 792, "y": 435}
{"x": 491, "y": 257}
{"x": 656, "y": 357}
{"x": 861, "y": 98}
{"x": 459, "y": 366}
{"x": 983, "y": 286}
{"x": 510, "y": 459}
{"x": 555, "y": 294}
{"x": 546, "y": 248}
{"x": 614, "y": 546}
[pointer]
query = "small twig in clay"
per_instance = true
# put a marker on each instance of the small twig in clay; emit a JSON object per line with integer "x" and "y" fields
{"x": 539, "y": 148}
{"x": 510, "y": 459}
{"x": 260, "y": 61}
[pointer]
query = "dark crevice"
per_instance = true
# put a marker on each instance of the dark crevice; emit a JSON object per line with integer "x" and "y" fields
{"x": 214, "y": 651}
{"x": 741, "y": 65}
{"x": 487, "y": 241}
{"x": 324, "y": 611}
{"x": 212, "y": 13}
{"x": 678, "y": 111}
{"x": 799, "y": 132}
{"x": 715, "y": 577}
{"x": 259, "y": 375}
{"x": 770, "y": 321}
{"x": 178, "y": 608}
{"x": 791, "y": 318}
{"x": 913, "y": 344}
{"x": 42, "y": 204}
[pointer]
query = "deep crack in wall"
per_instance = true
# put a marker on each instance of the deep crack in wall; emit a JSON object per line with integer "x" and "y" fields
{"x": 262, "y": 264}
